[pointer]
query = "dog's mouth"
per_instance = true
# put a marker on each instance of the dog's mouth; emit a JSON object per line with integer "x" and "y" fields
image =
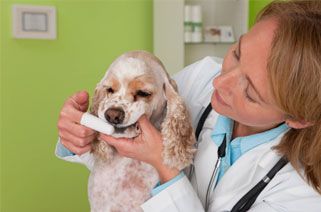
{"x": 121, "y": 130}
{"x": 125, "y": 129}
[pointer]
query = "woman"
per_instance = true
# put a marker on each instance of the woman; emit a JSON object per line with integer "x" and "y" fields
{"x": 266, "y": 105}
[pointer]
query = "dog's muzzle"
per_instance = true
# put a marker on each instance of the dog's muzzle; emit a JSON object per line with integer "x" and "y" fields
{"x": 115, "y": 116}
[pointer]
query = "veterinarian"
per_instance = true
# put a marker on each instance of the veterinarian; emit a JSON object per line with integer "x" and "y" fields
{"x": 259, "y": 141}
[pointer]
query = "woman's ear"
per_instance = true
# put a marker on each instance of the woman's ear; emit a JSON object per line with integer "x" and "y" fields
{"x": 298, "y": 124}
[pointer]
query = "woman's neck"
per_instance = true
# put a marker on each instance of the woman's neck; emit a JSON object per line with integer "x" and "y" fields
{"x": 241, "y": 130}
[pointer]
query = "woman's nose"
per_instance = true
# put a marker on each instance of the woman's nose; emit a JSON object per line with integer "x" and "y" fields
{"x": 226, "y": 82}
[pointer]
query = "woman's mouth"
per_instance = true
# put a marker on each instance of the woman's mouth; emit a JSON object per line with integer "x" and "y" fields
{"x": 219, "y": 99}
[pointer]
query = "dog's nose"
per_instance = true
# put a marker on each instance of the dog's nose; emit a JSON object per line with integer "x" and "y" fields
{"x": 115, "y": 115}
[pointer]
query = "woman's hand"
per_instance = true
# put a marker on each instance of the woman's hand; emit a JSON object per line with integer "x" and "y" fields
{"x": 73, "y": 136}
{"x": 146, "y": 147}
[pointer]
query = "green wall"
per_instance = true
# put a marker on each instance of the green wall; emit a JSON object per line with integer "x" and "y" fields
{"x": 38, "y": 75}
{"x": 254, "y": 7}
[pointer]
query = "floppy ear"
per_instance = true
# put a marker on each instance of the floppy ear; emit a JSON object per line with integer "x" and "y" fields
{"x": 97, "y": 98}
{"x": 173, "y": 84}
{"x": 100, "y": 149}
{"x": 178, "y": 134}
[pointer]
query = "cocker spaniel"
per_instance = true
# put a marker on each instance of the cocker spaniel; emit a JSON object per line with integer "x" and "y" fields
{"x": 136, "y": 83}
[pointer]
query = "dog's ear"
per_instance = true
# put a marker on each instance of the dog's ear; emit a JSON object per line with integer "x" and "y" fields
{"x": 173, "y": 84}
{"x": 96, "y": 99}
{"x": 178, "y": 134}
{"x": 102, "y": 150}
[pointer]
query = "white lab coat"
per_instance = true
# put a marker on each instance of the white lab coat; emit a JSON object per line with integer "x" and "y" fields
{"x": 286, "y": 192}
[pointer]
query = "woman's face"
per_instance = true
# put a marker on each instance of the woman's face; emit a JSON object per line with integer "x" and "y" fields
{"x": 242, "y": 91}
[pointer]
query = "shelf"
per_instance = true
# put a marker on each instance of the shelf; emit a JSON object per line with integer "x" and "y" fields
{"x": 205, "y": 42}
{"x": 168, "y": 30}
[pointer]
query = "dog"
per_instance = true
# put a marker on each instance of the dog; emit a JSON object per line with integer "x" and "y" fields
{"x": 136, "y": 83}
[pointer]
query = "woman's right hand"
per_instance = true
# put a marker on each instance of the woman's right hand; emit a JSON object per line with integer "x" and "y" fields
{"x": 75, "y": 137}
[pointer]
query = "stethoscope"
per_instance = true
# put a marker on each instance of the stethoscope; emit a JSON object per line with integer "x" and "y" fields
{"x": 249, "y": 198}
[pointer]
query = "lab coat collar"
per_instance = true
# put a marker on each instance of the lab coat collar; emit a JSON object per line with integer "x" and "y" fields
{"x": 224, "y": 125}
{"x": 205, "y": 97}
{"x": 256, "y": 164}
{"x": 259, "y": 138}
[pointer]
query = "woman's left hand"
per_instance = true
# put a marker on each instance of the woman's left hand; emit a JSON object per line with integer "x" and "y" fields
{"x": 146, "y": 147}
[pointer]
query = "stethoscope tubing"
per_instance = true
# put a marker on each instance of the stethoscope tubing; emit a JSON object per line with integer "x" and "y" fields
{"x": 249, "y": 198}
{"x": 211, "y": 183}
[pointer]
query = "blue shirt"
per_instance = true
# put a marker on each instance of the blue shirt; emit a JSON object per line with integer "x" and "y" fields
{"x": 234, "y": 149}
{"x": 240, "y": 145}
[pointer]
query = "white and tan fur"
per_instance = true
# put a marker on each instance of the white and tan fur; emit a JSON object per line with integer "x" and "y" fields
{"x": 118, "y": 183}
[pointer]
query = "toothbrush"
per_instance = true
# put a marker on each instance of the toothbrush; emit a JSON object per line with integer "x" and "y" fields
{"x": 96, "y": 123}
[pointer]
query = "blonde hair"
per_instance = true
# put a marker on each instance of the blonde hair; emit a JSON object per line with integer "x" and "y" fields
{"x": 294, "y": 69}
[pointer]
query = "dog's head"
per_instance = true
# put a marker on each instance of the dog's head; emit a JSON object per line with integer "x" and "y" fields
{"x": 133, "y": 85}
{"x": 137, "y": 83}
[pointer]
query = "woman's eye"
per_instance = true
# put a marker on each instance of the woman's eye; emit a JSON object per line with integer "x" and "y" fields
{"x": 235, "y": 54}
{"x": 249, "y": 98}
{"x": 110, "y": 90}
{"x": 142, "y": 93}
{"x": 246, "y": 94}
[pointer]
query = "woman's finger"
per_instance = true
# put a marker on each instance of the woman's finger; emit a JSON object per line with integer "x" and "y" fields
{"x": 80, "y": 100}
{"x": 121, "y": 144}
{"x": 144, "y": 123}
{"x": 75, "y": 149}
{"x": 75, "y": 140}
{"x": 76, "y": 129}
{"x": 71, "y": 113}
{"x": 109, "y": 138}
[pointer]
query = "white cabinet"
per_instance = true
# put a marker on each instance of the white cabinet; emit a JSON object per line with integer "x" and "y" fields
{"x": 168, "y": 29}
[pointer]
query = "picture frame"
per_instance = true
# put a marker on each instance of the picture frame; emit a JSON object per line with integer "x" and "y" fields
{"x": 34, "y": 22}
{"x": 227, "y": 35}
{"x": 219, "y": 34}
{"x": 212, "y": 34}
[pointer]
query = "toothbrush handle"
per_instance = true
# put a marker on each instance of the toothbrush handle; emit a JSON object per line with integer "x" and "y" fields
{"x": 97, "y": 124}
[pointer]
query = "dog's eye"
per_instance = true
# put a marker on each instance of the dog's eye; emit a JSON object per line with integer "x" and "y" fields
{"x": 110, "y": 90}
{"x": 142, "y": 93}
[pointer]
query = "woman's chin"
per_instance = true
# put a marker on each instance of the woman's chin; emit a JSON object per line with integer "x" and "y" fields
{"x": 217, "y": 107}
